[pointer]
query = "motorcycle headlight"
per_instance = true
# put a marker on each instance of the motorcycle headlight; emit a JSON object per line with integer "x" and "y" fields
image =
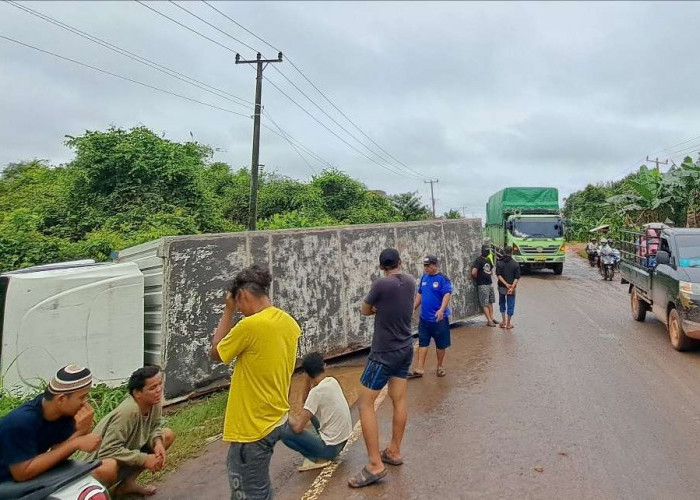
{"x": 687, "y": 288}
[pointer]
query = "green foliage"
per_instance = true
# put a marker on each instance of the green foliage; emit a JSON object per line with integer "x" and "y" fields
{"x": 644, "y": 196}
{"x": 452, "y": 214}
{"x": 410, "y": 206}
{"x": 126, "y": 187}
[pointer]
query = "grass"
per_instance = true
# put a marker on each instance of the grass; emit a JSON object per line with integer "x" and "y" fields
{"x": 194, "y": 422}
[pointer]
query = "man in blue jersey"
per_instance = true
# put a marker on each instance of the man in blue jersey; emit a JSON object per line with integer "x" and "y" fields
{"x": 433, "y": 298}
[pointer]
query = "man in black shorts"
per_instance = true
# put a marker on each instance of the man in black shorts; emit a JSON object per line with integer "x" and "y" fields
{"x": 390, "y": 299}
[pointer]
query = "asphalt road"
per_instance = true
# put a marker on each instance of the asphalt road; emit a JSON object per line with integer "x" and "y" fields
{"x": 578, "y": 401}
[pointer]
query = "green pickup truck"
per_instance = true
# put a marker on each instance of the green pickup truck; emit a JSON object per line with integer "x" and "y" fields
{"x": 666, "y": 280}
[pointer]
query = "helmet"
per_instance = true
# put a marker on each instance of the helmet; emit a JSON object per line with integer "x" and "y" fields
{"x": 603, "y": 240}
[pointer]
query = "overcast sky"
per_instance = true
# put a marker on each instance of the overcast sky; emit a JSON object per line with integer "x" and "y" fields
{"x": 478, "y": 95}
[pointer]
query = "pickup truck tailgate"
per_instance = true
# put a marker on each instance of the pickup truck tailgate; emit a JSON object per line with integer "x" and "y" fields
{"x": 638, "y": 275}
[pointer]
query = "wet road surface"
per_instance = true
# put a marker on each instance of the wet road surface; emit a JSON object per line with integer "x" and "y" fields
{"x": 578, "y": 401}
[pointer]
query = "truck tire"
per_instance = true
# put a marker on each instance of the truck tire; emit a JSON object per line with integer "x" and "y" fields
{"x": 639, "y": 306}
{"x": 679, "y": 340}
{"x": 558, "y": 268}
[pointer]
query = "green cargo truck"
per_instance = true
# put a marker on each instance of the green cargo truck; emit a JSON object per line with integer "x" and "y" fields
{"x": 528, "y": 219}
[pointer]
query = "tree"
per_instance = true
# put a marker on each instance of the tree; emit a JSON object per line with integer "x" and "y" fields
{"x": 410, "y": 206}
{"x": 452, "y": 214}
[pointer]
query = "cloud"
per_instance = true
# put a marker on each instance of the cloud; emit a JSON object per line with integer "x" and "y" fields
{"x": 478, "y": 95}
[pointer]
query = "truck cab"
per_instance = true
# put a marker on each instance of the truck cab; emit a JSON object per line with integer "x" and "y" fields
{"x": 537, "y": 241}
{"x": 668, "y": 286}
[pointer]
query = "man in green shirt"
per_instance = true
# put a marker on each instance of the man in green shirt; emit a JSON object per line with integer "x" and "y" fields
{"x": 133, "y": 438}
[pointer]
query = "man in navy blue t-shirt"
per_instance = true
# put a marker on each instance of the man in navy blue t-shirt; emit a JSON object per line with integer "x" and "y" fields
{"x": 433, "y": 298}
{"x": 45, "y": 431}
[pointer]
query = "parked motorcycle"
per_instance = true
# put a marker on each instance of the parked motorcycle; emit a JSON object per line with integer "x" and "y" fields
{"x": 607, "y": 266}
{"x": 69, "y": 481}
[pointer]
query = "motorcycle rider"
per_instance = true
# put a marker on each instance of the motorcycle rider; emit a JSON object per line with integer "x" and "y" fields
{"x": 592, "y": 250}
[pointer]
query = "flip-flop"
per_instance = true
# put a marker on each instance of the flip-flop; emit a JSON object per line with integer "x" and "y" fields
{"x": 365, "y": 478}
{"x": 510, "y": 327}
{"x": 388, "y": 460}
{"x": 414, "y": 375}
{"x": 441, "y": 372}
{"x": 502, "y": 325}
{"x": 492, "y": 325}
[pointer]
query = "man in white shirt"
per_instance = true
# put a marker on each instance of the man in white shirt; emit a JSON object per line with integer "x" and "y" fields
{"x": 327, "y": 409}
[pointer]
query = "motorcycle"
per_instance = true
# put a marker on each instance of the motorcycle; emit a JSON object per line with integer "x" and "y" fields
{"x": 70, "y": 480}
{"x": 607, "y": 266}
{"x": 592, "y": 257}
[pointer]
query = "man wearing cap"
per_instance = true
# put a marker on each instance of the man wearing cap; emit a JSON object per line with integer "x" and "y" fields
{"x": 433, "y": 298}
{"x": 508, "y": 273}
{"x": 45, "y": 431}
{"x": 390, "y": 300}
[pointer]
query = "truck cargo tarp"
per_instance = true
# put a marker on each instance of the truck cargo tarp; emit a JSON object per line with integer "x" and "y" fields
{"x": 521, "y": 199}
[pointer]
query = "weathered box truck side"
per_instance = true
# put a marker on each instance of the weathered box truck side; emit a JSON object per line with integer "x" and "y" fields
{"x": 319, "y": 275}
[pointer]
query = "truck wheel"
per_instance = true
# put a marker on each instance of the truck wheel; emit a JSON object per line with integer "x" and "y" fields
{"x": 639, "y": 306}
{"x": 558, "y": 268}
{"x": 679, "y": 340}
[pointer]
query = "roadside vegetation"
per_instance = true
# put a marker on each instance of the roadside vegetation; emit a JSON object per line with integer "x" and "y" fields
{"x": 647, "y": 195}
{"x": 126, "y": 187}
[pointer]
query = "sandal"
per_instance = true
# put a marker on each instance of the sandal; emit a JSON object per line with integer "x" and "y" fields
{"x": 388, "y": 460}
{"x": 365, "y": 478}
{"x": 414, "y": 375}
{"x": 441, "y": 372}
{"x": 492, "y": 325}
{"x": 510, "y": 327}
{"x": 502, "y": 325}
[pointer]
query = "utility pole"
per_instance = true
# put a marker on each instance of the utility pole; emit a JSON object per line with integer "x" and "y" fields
{"x": 432, "y": 193}
{"x": 261, "y": 64}
{"x": 657, "y": 162}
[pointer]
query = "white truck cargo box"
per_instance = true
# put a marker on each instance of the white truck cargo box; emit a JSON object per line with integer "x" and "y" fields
{"x": 74, "y": 312}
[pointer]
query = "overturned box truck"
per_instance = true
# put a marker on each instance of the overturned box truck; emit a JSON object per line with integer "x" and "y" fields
{"x": 528, "y": 219}
{"x": 175, "y": 298}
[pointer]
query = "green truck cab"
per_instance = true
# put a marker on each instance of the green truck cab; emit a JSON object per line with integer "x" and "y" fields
{"x": 529, "y": 220}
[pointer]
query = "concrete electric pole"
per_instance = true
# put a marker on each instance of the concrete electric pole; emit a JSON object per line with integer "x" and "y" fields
{"x": 432, "y": 193}
{"x": 261, "y": 63}
{"x": 657, "y": 162}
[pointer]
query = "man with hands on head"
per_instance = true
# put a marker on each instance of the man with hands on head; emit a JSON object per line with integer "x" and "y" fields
{"x": 43, "y": 432}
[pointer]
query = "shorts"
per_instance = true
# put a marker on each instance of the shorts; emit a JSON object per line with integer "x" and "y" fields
{"x": 486, "y": 295}
{"x": 248, "y": 467}
{"x": 381, "y": 366}
{"x": 438, "y": 330}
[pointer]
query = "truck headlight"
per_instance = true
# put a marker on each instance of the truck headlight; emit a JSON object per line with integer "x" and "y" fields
{"x": 516, "y": 249}
{"x": 687, "y": 288}
{"x": 563, "y": 248}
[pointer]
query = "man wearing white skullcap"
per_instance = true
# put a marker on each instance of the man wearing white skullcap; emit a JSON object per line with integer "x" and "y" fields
{"x": 45, "y": 431}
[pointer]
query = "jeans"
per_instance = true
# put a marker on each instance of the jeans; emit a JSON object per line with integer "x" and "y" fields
{"x": 310, "y": 444}
{"x": 248, "y": 467}
{"x": 506, "y": 303}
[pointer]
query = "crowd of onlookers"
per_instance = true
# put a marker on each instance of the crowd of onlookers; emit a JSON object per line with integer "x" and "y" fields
{"x": 53, "y": 426}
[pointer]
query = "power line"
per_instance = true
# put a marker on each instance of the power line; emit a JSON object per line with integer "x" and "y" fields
{"x": 313, "y": 85}
{"x": 317, "y": 90}
{"x": 100, "y": 70}
{"x": 186, "y": 27}
{"x": 140, "y": 59}
{"x": 673, "y": 146}
{"x": 299, "y": 144}
{"x": 279, "y": 89}
{"x": 282, "y": 134}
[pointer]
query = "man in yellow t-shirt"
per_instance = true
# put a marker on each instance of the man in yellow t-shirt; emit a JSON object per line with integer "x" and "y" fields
{"x": 264, "y": 345}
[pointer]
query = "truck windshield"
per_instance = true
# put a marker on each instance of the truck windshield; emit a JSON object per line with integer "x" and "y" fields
{"x": 689, "y": 250}
{"x": 537, "y": 228}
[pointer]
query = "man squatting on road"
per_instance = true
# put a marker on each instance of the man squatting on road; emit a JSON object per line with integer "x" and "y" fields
{"x": 390, "y": 299}
{"x": 264, "y": 344}
{"x": 133, "y": 436}
{"x": 433, "y": 298}
{"x": 326, "y": 408}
